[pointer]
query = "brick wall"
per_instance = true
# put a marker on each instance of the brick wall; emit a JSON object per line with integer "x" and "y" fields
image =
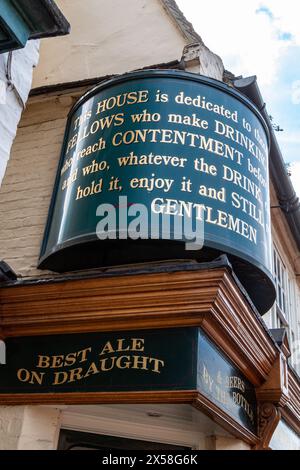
{"x": 27, "y": 187}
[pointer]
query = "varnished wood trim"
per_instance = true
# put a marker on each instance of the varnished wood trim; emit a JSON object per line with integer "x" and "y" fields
{"x": 291, "y": 412}
{"x": 207, "y": 298}
{"x": 269, "y": 416}
{"x": 99, "y": 398}
{"x": 203, "y": 404}
{"x": 192, "y": 397}
{"x": 291, "y": 419}
{"x": 294, "y": 394}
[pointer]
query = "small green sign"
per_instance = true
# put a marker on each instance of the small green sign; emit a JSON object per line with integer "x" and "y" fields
{"x": 225, "y": 385}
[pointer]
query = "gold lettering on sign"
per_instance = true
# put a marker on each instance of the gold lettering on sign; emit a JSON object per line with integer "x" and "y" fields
{"x": 54, "y": 362}
{"x": 110, "y": 357}
{"x": 31, "y": 377}
{"x": 149, "y": 364}
{"x": 225, "y": 146}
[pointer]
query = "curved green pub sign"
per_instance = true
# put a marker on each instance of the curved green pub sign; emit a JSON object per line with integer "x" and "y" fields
{"x": 160, "y": 165}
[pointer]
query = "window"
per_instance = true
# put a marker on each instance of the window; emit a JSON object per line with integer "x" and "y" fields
{"x": 285, "y": 313}
{"x": 281, "y": 282}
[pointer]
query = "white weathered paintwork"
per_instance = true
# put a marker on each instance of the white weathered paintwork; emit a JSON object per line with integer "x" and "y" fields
{"x": 111, "y": 38}
{"x": 11, "y": 106}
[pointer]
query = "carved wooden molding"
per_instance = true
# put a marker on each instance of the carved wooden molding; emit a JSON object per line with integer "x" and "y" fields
{"x": 291, "y": 412}
{"x": 291, "y": 417}
{"x": 269, "y": 416}
{"x": 275, "y": 388}
{"x": 209, "y": 298}
{"x": 282, "y": 389}
{"x": 209, "y": 408}
{"x": 88, "y": 398}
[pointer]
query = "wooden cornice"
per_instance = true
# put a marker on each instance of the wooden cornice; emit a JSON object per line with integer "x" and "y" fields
{"x": 291, "y": 411}
{"x": 209, "y": 298}
{"x": 269, "y": 416}
{"x": 276, "y": 388}
{"x": 192, "y": 397}
{"x": 206, "y": 298}
{"x": 88, "y": 398}
{"x": 203, "y": 404}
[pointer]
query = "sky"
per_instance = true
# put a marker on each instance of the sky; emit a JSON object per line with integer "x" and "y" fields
{"x": 262, "y": 38}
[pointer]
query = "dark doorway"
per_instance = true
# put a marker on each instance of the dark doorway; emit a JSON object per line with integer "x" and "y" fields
{"x": 74, "y": 440}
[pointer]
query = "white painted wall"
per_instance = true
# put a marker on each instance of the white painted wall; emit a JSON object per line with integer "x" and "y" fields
{"x": 108, "y": 37}
{"x": 11, "y": 106}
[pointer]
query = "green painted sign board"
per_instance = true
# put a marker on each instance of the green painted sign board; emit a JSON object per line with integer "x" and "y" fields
{"x": 123, "y": 361}
{"x": 224, "y": 384}
{"x": 185, "y": 149}
{"x": 156, "y": 360}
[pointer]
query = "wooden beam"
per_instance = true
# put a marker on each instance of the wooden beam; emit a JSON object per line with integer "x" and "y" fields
{"x": 207, "y": 298}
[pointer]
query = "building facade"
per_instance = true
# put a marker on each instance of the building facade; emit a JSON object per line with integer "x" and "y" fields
{"x": 159, "y": 319}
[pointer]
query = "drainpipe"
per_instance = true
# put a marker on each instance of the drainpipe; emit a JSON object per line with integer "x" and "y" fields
{"x": 287, "y": 197}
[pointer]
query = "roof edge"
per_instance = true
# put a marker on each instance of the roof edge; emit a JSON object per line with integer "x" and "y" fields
{"x": 59, "y": 24}
{"x": 182, "y": 23}
{"x": 288, "y": 200}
